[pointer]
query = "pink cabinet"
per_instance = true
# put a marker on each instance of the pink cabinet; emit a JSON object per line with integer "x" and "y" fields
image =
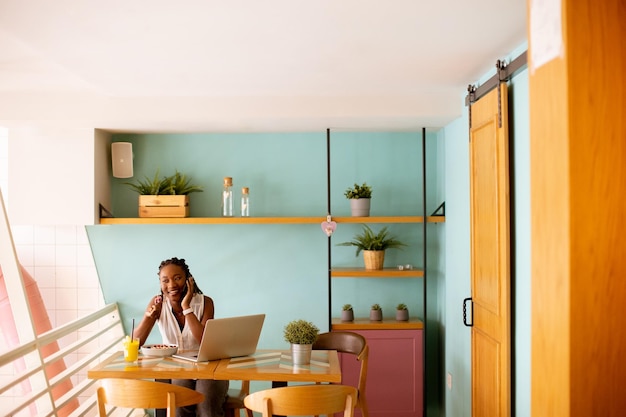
{"x": 395, "y": 372}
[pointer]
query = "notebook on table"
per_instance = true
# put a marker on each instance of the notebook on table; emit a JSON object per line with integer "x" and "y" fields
{"x": 228, "y": 337}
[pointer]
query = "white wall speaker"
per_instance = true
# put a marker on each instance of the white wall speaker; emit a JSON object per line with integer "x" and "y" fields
{"x": 122, "y": 159}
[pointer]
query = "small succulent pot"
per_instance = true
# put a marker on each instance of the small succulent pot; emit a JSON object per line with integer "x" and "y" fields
{"x": 402, "y": 312}
{"x": 376, "y": 313}
{"x": 347, "y": 315}
{"x": 402, "y": 315}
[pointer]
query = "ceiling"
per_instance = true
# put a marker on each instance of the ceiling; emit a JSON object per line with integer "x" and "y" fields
{"x": 273, "y": 65}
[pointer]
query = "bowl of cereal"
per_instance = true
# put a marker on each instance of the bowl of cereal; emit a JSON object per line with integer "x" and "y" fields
{"x": 159, "y": 350}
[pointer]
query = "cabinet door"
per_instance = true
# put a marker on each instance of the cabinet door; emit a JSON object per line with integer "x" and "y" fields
{"x": 395, "y": 372}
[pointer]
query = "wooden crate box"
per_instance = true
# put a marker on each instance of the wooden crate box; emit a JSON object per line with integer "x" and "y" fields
{"x": 163, "y": 206}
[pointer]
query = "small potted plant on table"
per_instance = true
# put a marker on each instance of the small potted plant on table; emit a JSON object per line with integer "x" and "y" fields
{"x": 360, "y": 198}
{"x": 301, "y": 334}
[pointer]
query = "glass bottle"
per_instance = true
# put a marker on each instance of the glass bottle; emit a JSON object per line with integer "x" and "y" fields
{"x": 227, "y": 197}
{"x": 245, "y": 202}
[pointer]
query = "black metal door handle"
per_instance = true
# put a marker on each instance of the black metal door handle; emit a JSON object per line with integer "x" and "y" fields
{"x": 471, "y": 323}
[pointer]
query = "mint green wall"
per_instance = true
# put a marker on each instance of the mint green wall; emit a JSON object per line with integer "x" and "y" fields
{"x": 521, "y": 222}
{"x": 457, "y": 251}
{"x": 286, "y": 173}
{"x": 280, "y": 270}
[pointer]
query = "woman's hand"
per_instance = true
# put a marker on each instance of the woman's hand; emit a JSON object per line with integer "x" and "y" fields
{"x": 154, "y": 310}
{"x": 152, "y": 313}
{"x": 186, "y": 302}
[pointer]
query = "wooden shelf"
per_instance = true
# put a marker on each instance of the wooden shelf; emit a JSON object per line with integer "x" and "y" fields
{"x": 267, "y": 220}
{"x": 389, "y": 219}
{"x": 385, "y": 324}
{"x": 212, "y": 220}
{"x": 436, "y": 219}
{"x": 375, "y": 273}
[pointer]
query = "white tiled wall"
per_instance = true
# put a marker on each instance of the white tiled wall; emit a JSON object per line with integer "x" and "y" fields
{"x": 59, "y": 258}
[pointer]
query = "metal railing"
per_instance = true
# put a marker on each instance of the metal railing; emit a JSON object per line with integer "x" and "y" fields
{"x": 82, "y": 344}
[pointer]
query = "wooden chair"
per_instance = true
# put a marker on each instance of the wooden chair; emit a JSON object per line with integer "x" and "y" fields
{"x": 351, "y": 343}
{"x": 304, "y": 400}
{"x": 234, "y": 402}
{"x": 137, "y": 393}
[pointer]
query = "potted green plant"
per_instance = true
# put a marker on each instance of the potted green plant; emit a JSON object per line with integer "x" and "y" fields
{"x": 373, "y": 246}
{"x": 301, "y": 334}
{"x": 164, "y": 196}
{"x": 402, "y": 312}
{"x": 347, "y": 313}
{"x": 360, "y": 198}
{"x": 376, "y": 313}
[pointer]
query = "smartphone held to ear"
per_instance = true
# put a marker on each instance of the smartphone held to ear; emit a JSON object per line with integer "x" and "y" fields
{"x": 186, "y": 287}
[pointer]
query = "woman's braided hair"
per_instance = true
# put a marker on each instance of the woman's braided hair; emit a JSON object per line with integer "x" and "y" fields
{"x": 181, "y": 263}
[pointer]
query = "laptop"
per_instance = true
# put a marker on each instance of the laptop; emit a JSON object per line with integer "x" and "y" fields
{"x": 227, "y": 338}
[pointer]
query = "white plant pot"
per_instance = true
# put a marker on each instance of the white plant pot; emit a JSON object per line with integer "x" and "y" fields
{"x": 301, "y": 354}
{"x": 360, "y": 207}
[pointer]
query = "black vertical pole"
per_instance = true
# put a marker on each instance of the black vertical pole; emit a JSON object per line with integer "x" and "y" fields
{"x": 330, "y": 313}
{"x": 425, "y": 283}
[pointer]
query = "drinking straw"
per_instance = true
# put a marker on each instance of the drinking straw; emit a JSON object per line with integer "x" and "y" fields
{"x": 133, "y": 330}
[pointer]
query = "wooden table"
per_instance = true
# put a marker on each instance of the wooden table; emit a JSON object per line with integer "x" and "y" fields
{"x": 151, "y": 368}
{"x": 277, "y": 366}
{"x": 263, "y": 365}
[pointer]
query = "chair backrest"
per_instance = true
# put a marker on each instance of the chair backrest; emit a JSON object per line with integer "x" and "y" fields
{"x": 136, "y": 393}
{"x": 347, "y": 342}
{"x": 304, "y": 400}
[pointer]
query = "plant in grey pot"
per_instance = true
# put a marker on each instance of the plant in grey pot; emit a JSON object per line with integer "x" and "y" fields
{"x": 301, "y": 334}
{"x": 373, "y": 246}
{"x": 402, "y": 312}
{"x": 347, "y": 313}
{"x": 360, "y": 199}
{"x": 376, "y": 313}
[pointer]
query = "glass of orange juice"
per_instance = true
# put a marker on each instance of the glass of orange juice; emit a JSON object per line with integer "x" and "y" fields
{"x": 131, "y": 349}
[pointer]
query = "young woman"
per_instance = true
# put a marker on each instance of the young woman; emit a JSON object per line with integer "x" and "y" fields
{"x": 181, "y": 310}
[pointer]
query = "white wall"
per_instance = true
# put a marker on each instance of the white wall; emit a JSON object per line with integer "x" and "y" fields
{"x": 4, "y": 160}
{"x": 51, "y": 176}
{"x": 49, "y": 239}
{"x": 58, "y": 256}
{"x": 55, "y": 250}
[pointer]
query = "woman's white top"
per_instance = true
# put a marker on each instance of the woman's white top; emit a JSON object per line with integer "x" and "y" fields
{"x": 168, "y": 326}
